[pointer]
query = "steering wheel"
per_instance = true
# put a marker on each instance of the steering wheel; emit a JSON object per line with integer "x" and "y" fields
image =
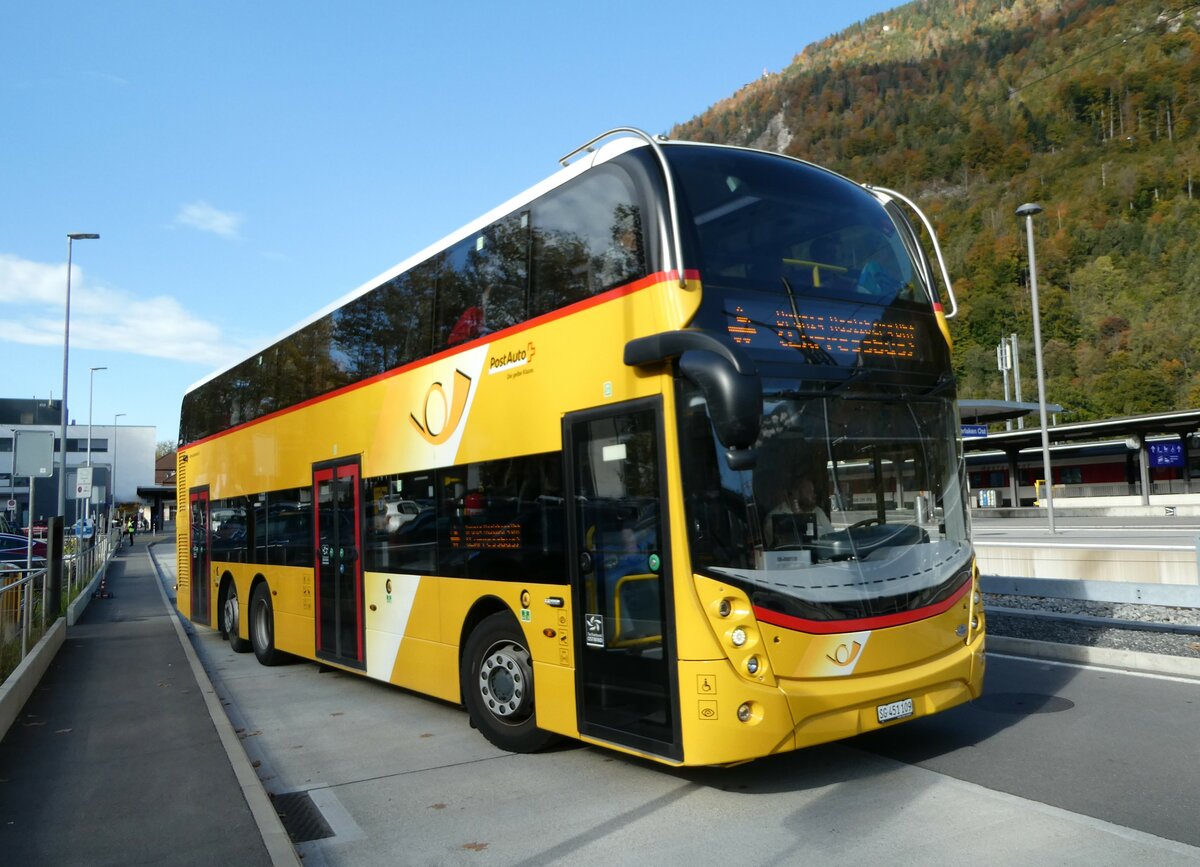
{"x": 866, "y": 522}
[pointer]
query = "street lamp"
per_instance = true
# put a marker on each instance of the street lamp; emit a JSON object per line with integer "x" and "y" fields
{"x": 114, "y": 466}
{"x": 1028, "y": 211}
{"x": 91, "y": 383}
{"x": 62, "y": 445}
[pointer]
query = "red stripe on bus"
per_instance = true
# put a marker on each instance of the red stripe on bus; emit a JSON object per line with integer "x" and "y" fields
{"x": 511, "y": 331}
{"x": 863, "y": 624}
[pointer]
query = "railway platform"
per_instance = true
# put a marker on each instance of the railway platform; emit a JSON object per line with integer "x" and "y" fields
{"x": 116, "y": 758}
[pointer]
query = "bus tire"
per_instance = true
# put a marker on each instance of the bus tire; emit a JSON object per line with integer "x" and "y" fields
{"x": 262, "y": 627}
{"x": 497, "y": 686}
{"x": 231, "y": 619}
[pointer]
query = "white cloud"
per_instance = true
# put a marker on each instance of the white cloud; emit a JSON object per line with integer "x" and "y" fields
{"x": 206, "y": 218}
{"x": 22, "y": 281}
{"x": 109, "y": 77}
{"x": 31, "y": 306}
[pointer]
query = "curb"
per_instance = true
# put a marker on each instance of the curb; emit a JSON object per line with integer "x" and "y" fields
{"x": 75, "y": 609}
{"x": 278, "y": 844}
{"x": 1105, "y": 657}
{"x": 19, "y": 685}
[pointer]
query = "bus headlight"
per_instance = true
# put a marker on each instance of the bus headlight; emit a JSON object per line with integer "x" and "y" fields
{"x": 752, "y": 665}
{"x": 725, "y": 608}
{"x": 738, "y": 637}
{"x": 745, "y": 712}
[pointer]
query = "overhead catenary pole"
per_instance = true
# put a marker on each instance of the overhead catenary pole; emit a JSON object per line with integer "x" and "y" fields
{"x": 1004, "y": 362}
{"x": 1016, "y": 366}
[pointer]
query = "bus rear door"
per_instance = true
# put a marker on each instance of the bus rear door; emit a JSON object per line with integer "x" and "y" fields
{"x": 199, "y": 547}
{"x": 338, "y": 534}
{"x": 626, "y": 680}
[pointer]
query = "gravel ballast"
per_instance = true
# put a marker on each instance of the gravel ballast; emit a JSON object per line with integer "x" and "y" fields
{"x": 1112, "y": 625}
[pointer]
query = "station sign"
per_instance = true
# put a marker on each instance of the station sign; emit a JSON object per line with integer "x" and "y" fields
{"x": 1166, "y": 454}
{"x": 974, "y": 431}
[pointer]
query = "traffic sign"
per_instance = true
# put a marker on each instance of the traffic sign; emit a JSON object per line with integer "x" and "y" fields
{"x": 83, "y": 483}
{"x": 34, "y": 454}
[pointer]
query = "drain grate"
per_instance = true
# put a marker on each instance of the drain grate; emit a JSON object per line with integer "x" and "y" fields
{"x": 301, "y": 818}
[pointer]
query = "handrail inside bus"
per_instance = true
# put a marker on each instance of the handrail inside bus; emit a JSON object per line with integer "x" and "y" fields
{"x": 671, "y": 206}
{"x": 937, "y": 248}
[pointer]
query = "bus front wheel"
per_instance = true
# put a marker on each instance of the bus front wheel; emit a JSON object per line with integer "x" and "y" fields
{"x": 262, "y": 627}
{"x": 497, "y": 686}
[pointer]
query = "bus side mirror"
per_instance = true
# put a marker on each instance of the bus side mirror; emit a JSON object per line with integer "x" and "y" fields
{"x": 728, "y": 380}
{"x": 734, "y": 399}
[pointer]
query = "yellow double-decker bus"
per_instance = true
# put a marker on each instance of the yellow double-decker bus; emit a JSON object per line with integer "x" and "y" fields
{"x": 662, "y": 454}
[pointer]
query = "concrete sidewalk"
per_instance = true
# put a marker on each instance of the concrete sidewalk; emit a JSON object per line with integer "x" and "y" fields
{"x": 116, "y": 758}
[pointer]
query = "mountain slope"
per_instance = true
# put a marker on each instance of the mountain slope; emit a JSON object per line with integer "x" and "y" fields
{"x": 972, "y": 107}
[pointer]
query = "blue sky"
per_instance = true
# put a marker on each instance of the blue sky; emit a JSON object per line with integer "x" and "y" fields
{"x": 247, "y": 163}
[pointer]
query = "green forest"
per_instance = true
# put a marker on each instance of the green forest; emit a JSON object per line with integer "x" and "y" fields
{"x": 973, "y": 107}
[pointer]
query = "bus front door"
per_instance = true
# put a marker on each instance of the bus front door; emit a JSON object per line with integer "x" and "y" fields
{"x": 339, "y": 571}
{"x": 625, "y": 652}
{"x": 199, "y": 539}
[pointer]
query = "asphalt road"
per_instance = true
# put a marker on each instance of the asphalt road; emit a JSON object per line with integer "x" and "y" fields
{"x": 1116, "y": 746}
{"x": 1054, "y": 764}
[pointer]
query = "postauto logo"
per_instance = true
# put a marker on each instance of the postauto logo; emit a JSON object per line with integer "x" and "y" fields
{"x": 441, "y": 415}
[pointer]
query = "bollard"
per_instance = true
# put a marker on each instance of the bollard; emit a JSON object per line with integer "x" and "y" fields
{"x": 54, "y": 565}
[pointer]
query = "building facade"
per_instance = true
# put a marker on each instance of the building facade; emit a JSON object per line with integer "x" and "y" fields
{"x": 120, "y": 455}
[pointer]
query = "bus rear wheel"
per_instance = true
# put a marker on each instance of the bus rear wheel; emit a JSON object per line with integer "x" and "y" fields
{"x": 262, "y": 627}
{"x": 497, "y": 686}
{"x": 231, "y": 619}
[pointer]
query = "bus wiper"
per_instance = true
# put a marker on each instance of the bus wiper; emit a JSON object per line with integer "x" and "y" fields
{"x": 813, "y": 356}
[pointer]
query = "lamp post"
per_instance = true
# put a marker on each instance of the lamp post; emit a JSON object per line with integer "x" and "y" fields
{"x": 91, "y": 384}
{"x": 1028, "y": 211}
{"x": 62, "y": 444}
{"x": 114, "y": 466}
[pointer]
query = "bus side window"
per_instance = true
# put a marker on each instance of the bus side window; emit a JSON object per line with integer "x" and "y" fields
{"x": 456, "y": 296}
{"x": 586, "y": 239}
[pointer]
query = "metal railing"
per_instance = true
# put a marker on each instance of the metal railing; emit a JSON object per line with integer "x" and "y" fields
{"x": 17, "y": 602}
{"x": 25, "y": 592}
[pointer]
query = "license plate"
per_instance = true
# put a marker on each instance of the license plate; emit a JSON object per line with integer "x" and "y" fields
{"x": 895, "y": 710}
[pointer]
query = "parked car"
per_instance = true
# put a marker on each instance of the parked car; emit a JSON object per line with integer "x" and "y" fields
{"x": 13, "y": 548}
{"x": 84, "y": 528}
{"x": 399, "y": 512}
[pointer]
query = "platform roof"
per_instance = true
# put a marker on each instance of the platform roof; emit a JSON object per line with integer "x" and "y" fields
{"x": 1179, "y": 422}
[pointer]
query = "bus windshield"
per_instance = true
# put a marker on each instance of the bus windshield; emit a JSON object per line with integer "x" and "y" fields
{"x": 777, "y": 224}
{"x": 800, "y": 264}
{"x": 854, "y": 508}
